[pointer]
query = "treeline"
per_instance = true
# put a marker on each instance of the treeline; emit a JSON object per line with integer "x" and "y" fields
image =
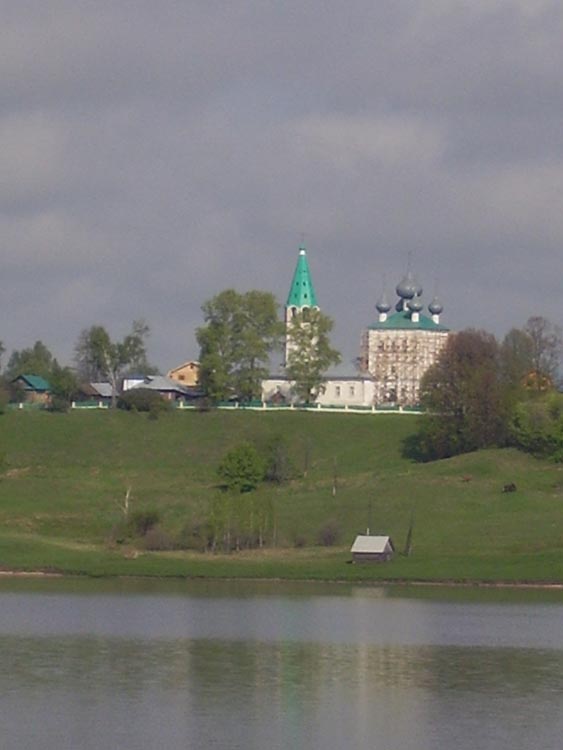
{"x": 96, "y": 358}
{"x": 483, "y": 393}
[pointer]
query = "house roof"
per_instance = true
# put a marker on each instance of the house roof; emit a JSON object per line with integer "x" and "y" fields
{"x": 192, "y": 363}
{"x": 372, "y": 544}
{"x": 302, "y": 291}
{"x": 103, "y": 389}
{"x": 161, "y": 384}
{"x": 34, "y": 382}
{"x": 402, "y": 321}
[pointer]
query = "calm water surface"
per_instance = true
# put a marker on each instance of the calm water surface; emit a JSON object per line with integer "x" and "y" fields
{"x": 123, "y": 665}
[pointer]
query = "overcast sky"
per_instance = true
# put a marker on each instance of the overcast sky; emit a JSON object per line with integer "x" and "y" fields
{"x": 155, "y": 153}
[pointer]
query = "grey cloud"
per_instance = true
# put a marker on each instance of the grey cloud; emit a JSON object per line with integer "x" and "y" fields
{"x": 154, "y": 154}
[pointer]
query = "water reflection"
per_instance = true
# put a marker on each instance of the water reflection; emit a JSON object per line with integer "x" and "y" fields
{"x": 122, "y": 671}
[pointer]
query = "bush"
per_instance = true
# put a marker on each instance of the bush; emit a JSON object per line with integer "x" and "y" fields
{"x": 196, "y": 535}
{"x": 58, "y": 404}
{"x": 156, "y": 539}
{"x": 142, "y": 521}
{"x": 143, "y": 399}
{"x": 279, "y": 466}
{"x": 329, "y": 534}
{"x": 241, "y": 469}
{"x": 4, "y": 398}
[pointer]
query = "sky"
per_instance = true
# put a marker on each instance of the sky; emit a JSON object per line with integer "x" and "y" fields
{"x": 154, "y": 154}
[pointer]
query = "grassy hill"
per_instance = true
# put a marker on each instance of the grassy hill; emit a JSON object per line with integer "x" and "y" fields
{"x": 66, "y": 475}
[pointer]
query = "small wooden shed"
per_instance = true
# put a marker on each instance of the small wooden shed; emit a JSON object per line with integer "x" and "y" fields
{"x": 368, "y": 548}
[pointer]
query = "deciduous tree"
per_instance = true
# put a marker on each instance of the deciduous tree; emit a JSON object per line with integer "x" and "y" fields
{"x": 547, "y": 348}
{"x": 465, "y": 396}
{"x": 310, "y": 353}
{"x": 240, "y": 333}
{"x": 36, "y": 360}
{"x": 242, "y": 469}
{"x": 98, "y": 357}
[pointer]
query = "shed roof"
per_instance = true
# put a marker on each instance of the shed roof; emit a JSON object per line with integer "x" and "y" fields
{"x": 372, "y": 544}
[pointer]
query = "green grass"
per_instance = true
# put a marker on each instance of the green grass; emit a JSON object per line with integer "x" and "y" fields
{"x": 66, "y": 475}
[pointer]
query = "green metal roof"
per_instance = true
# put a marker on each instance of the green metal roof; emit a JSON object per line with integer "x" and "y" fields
{"x": 34, "y": 382}
{"x": 302, "y": 291}
{"x": 402, "y": 321}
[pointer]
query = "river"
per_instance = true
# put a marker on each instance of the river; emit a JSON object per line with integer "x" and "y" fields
{"x": 123, "y": 665}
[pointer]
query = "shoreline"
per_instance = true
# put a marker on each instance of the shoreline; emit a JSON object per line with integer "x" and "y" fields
{"x": 444, "y": 583}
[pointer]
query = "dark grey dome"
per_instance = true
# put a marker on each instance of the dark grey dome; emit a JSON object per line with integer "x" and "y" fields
{"x": 415, "y": 304}
{"x": 408, "y": 287}
{"x": 435, "y": 307}
{"x": 383, "y": 305}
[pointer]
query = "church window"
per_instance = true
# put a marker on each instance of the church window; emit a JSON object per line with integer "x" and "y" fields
{"x": 352, "y": 390}
{"x": 337, "y": 391}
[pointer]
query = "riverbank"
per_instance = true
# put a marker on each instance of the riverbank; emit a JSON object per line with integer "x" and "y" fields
{"x": 45, "y": 559}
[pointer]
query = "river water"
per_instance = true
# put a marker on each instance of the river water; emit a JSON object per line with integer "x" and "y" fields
{"x": 123, "y": 665}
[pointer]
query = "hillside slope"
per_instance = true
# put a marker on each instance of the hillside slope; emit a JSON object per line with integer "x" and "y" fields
{"x": 66, "y": 475}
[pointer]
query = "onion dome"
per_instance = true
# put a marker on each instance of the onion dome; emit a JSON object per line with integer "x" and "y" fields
{"x": 408, "y": 287}
{"x": 415, "y": 304}
{"x": 435, "y": 307}
{"x": 383, "y": 305}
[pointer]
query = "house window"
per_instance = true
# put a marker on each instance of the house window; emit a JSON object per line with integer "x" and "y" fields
{"x": 181, "y": 377}
{"x": 337, "y": 391}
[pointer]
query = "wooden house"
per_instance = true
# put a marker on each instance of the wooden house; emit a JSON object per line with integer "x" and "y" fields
{"x": 368, "y": 548}
{"x": 33, "y": 388}
{"x": 186, "y": 374}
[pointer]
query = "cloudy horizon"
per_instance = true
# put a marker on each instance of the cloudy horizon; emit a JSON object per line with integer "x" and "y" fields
{"x": 156, "y": 154}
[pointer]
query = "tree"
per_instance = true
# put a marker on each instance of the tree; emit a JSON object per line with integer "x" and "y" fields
{"x": 241, "y": 469}
{"x": 64, "y": 387}
{"x": 466, "y": 398}
{"x": 240, "y": 333}
{"x": 36, "y": 360}
{"x": 547, "y": 348}
{"x": 310, "y": 352}
{"x": 279, "y": 467}
{"x": 537, "y": 426}
{"x": 516, "y": 357}
{"x": 98, "y": 357}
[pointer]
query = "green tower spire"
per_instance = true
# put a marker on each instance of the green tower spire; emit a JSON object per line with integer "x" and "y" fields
{"x": 302, "y": 291}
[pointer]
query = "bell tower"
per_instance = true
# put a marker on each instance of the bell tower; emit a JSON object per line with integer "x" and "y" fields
{"x": 301, "y": 297}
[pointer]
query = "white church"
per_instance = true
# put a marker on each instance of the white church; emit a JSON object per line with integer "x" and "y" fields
{"x": 395, "y": 350}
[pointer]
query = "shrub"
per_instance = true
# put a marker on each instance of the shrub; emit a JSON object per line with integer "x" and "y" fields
{"x": 196, "y": 535}
{"x": 156, "y": 539}
{"x": 4, "y": 398}
{"x": 142, "y": 521}
{"x": 328, "y": 534}
{"x": 143, "y": 399}
{"x": 58, "y": 404}
{"x": 279, "y": 466}
{"x": 118, "y": 533}
{"x": 242, "y": 468}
